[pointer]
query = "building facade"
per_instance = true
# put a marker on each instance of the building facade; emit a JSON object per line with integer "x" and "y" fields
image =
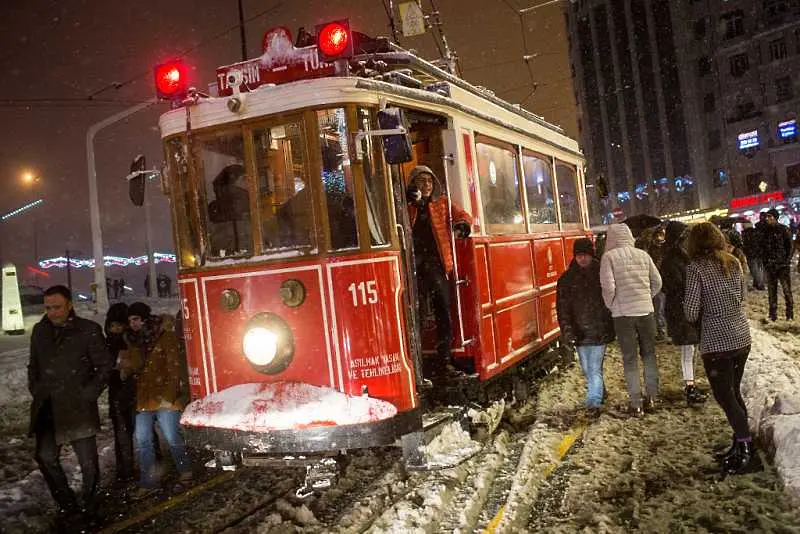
{"x": 632, "y": 118}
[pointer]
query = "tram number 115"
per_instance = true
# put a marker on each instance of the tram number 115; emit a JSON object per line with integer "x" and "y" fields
{"x": 367, "y": 291}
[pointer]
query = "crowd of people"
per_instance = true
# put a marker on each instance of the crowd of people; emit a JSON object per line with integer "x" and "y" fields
{"x": 695, "y": 279}
{"x": 141, "y": 359}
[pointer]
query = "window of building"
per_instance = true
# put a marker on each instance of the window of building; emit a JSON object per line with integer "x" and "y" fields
{"x": 753, "y": 183}
{"x": 704, "y": 66}
{"x": 709, "y": 103}
{"x": 775, "y": 8}
{"x": 777, "y": 49}
{"x": 700, "y": 28}
{"x": 720, "y": 178}
{"x": 793, "y": 175}
{"x": 500, "y": 191}
{"x": 783, "y": 89}
{"x": 739, "y": 65}
{"x": 714, "y": 140}
{"x": 733, "y": 22}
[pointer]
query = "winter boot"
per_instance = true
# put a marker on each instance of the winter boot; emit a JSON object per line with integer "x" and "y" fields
{"x": 789, "y": 314}
{"x": 694, "y": 395}
{"x": 650, "y": 404}
{"x": 723, "y": 457}
{"x": 744, "y": 460}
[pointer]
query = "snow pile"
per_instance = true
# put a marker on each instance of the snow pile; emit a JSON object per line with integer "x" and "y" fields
{"x": 283, "y": 406}
{"x": 771, "y": 389}
{"x": 452, "y": 446}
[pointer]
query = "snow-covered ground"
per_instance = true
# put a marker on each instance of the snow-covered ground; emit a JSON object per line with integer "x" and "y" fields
{"x": 548, "y": 467}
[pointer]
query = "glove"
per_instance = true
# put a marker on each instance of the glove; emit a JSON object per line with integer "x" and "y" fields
{"x": 413, "y": 194}
{"x": 461, "y": 230}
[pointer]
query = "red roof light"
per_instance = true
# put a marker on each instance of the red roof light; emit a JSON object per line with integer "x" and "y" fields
{"x": 334, "y": 40}
{"x": 170, "y": 80}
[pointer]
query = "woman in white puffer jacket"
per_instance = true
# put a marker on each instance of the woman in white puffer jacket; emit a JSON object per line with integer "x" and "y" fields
{"x": 630, "y": 280}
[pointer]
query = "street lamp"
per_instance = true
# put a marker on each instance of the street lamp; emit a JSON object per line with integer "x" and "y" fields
{"x": 31, "y": 179}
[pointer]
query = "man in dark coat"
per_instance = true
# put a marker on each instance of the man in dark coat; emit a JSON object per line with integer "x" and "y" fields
{"x": 68, "y": 369}
{"x": 683, "y": 333}
{"x": 584, "y": 319}
{"x": 752, "y": 251}
{"x": 776, "y": 252}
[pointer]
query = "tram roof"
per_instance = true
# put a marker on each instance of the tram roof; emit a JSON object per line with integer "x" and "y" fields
{"x": 409, "y": 80}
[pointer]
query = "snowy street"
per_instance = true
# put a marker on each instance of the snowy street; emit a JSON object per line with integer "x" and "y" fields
{"x": 547, "y": 468}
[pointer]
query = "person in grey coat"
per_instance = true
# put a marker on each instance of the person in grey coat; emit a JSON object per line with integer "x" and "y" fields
{"x": 68, "y": 369}
{"x": 714, "y": 298}
{"x": 630, "y": 280}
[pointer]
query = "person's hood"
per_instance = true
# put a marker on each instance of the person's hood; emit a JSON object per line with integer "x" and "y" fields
{"x": 674, "y": 232}
{"x": 619, "y": 235}
{"x": 437, "y": 186}
{"x": 117, "y": 313}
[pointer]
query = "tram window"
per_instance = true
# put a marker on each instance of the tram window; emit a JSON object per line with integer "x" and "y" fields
{"x": 374, "y": 180}
{"x": 499, "y": 178}
{"x": 539, "y": 190}
{"x": 178, "y": 169}
{"x": 227, "y": 196}
{"x": 567, "y": 179}
{"x": 284, "y": 201}
{"x": 337, "y": 179}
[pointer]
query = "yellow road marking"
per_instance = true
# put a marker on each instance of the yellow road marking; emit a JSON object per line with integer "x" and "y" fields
{"x": 166, "y": 505}
{"x": 561, "y": 450}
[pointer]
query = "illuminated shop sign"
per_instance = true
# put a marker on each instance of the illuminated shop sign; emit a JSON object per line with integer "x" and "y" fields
{"x": 748, "y": 140}
{"x": 755, "y": 200}
{"x": 787, "y": 129}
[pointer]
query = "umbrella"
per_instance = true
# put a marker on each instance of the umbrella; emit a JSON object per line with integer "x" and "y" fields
{"x": 641, "y": 222}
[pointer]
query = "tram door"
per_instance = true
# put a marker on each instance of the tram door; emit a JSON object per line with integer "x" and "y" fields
{"x": 425, "y": 131}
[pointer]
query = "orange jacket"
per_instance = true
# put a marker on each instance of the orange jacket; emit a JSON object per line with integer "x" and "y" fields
{"x": 441, "y": 230}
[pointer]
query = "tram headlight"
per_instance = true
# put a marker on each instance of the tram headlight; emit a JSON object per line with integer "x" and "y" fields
{"x": 268, "y": 343}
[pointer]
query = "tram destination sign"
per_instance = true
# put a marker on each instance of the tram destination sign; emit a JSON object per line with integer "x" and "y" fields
{"x": 280, "y": 63}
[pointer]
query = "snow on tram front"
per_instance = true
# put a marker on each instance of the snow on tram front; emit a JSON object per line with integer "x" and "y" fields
{"x": 296, "y": 279}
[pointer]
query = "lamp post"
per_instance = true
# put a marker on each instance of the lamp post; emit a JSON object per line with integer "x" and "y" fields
{"x": 31, "y": 180}
{"x": 94, "y": 202}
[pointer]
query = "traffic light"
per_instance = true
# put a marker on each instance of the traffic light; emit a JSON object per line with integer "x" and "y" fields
{"x": 171, "y": 80}
{"x": 334, "y": 41}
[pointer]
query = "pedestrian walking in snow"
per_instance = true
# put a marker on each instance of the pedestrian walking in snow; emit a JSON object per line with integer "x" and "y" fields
{"x": 683, "y": 333}
{"x": 776, "y": 251}
{"x": 652, "y": 241}
{"x": 67, "y": 371}
{"x": 121, "y": 393}
{"x": 428, "y": 212}
{"x": 584, "y": 320}
{"x": 162, "y": 388}
{"x": 714, "y": 298}
{"x": 752, "y": 251}
{"x": 630, "y": 280}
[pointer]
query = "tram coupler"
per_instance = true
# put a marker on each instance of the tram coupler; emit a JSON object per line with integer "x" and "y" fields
{"x": 320, "y": 476}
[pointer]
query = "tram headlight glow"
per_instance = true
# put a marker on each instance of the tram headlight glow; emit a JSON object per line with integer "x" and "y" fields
{"x": 268, "y": 343}
{"x": 260, "y": 345}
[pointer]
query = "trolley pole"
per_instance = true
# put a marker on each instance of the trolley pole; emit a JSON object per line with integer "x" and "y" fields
{"x": 94, "y": 202}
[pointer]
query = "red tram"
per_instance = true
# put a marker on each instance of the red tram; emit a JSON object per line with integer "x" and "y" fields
{"x": 293, "y": 239}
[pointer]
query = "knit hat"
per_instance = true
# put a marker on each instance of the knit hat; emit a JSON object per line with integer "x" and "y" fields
{"x": 117, "y": 313}
{"x": 139, "y": 309}
{"x": 774, "y": 213}
{"x": 583, "y": 245}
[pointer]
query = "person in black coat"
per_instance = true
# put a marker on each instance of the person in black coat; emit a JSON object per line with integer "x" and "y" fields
{"x": 121, "y": 393}
{"x": 67, "y": 371}
{"x": 776, "y": 252}
{"x": 584, "y": 319}
{"x": 683, "y": 333}
{"x": 752, "y": 252}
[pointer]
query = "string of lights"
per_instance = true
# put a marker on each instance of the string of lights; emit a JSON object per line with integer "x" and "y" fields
{"x": 23, "y": 208}
{"x": 108, "y": 261}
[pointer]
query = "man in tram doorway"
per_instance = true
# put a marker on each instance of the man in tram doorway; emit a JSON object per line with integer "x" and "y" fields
{"x": 428, "y": 213}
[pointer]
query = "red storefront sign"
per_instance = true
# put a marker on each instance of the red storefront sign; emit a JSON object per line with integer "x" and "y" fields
{"x": 755, "y": 200}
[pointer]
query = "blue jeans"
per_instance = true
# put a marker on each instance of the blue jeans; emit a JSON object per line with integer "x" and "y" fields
{"x": 659, "y": 301}
{"x": 169, "y": 421}
{"x": 591, "y": 358}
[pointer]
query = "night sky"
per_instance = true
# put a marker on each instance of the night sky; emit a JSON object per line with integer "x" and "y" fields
{"x": 54, "y": 54}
